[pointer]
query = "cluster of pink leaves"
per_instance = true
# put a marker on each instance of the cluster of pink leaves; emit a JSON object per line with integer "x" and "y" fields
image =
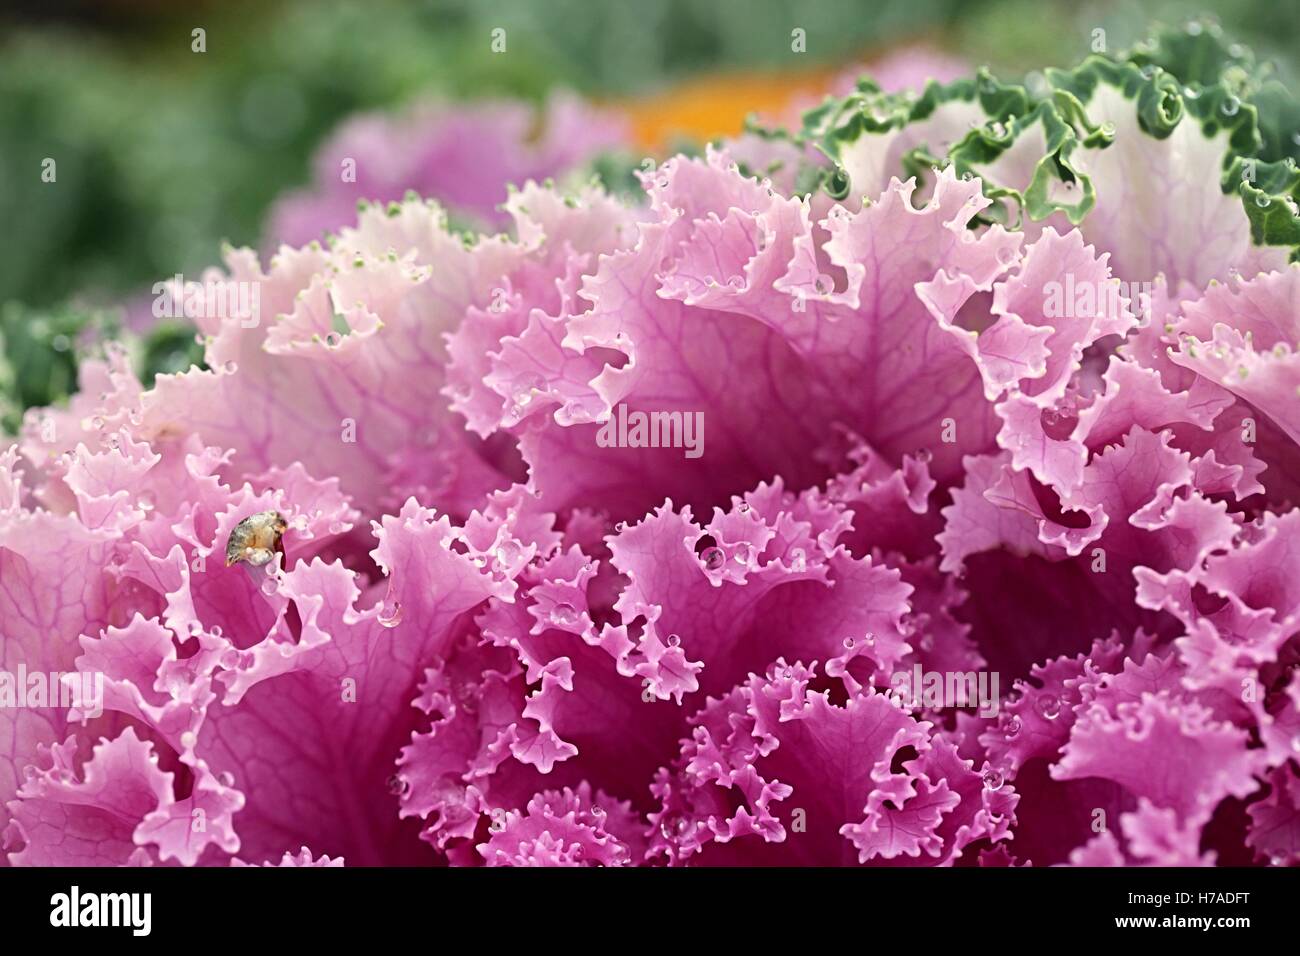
{"x": 492, "y": 641}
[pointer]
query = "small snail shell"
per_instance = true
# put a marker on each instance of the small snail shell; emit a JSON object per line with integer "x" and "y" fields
{"x": 256, "y": 538}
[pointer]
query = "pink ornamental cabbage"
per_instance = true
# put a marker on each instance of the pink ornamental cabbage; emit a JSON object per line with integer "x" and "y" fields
{"x": 498, "y": 630}
{"x": 464, "y": 156}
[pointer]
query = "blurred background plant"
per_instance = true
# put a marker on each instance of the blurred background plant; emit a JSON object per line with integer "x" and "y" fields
{"x": 162, "y": 153}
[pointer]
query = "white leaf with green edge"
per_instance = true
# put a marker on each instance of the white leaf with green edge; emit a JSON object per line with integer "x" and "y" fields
{"x": 1162, "y": 205}
{"x": 1147, "y": 164}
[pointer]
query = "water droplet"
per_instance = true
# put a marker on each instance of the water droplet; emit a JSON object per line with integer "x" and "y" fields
{"x": 1057, "y": 425}
{"x": 1230, "y": 106}
{"x": 231, "y": 367}
{"x": 924, "y": 456}
{"x": 564, "y": 615}
{"x": 1048, "y": 705}
{"x": 269, "y": 586}
{"x": 1013, "y": 726}
{"x": 397, "y": 786}
{"x": 508, "y": 552}
{"x": 849, "y": 643}
{"x": 713, "y": 558}
{"x": 993, "y": 779}
{"x": 674, "y": 640}
{"x": 798, "y": 560}
{"x": 98, "y": 422}
{"x": 673, "y": 827}
{"x": 226, "y": 778}
{"x": 332, "y": 339}
{"x": 1263, "y": 201}
{"x": 390, "y": 614}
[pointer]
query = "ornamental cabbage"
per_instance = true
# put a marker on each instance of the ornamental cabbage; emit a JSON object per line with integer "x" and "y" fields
{"x": 990, "y": 555}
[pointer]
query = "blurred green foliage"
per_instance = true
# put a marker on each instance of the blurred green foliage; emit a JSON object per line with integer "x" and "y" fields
{"x": 39, "y": 349}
